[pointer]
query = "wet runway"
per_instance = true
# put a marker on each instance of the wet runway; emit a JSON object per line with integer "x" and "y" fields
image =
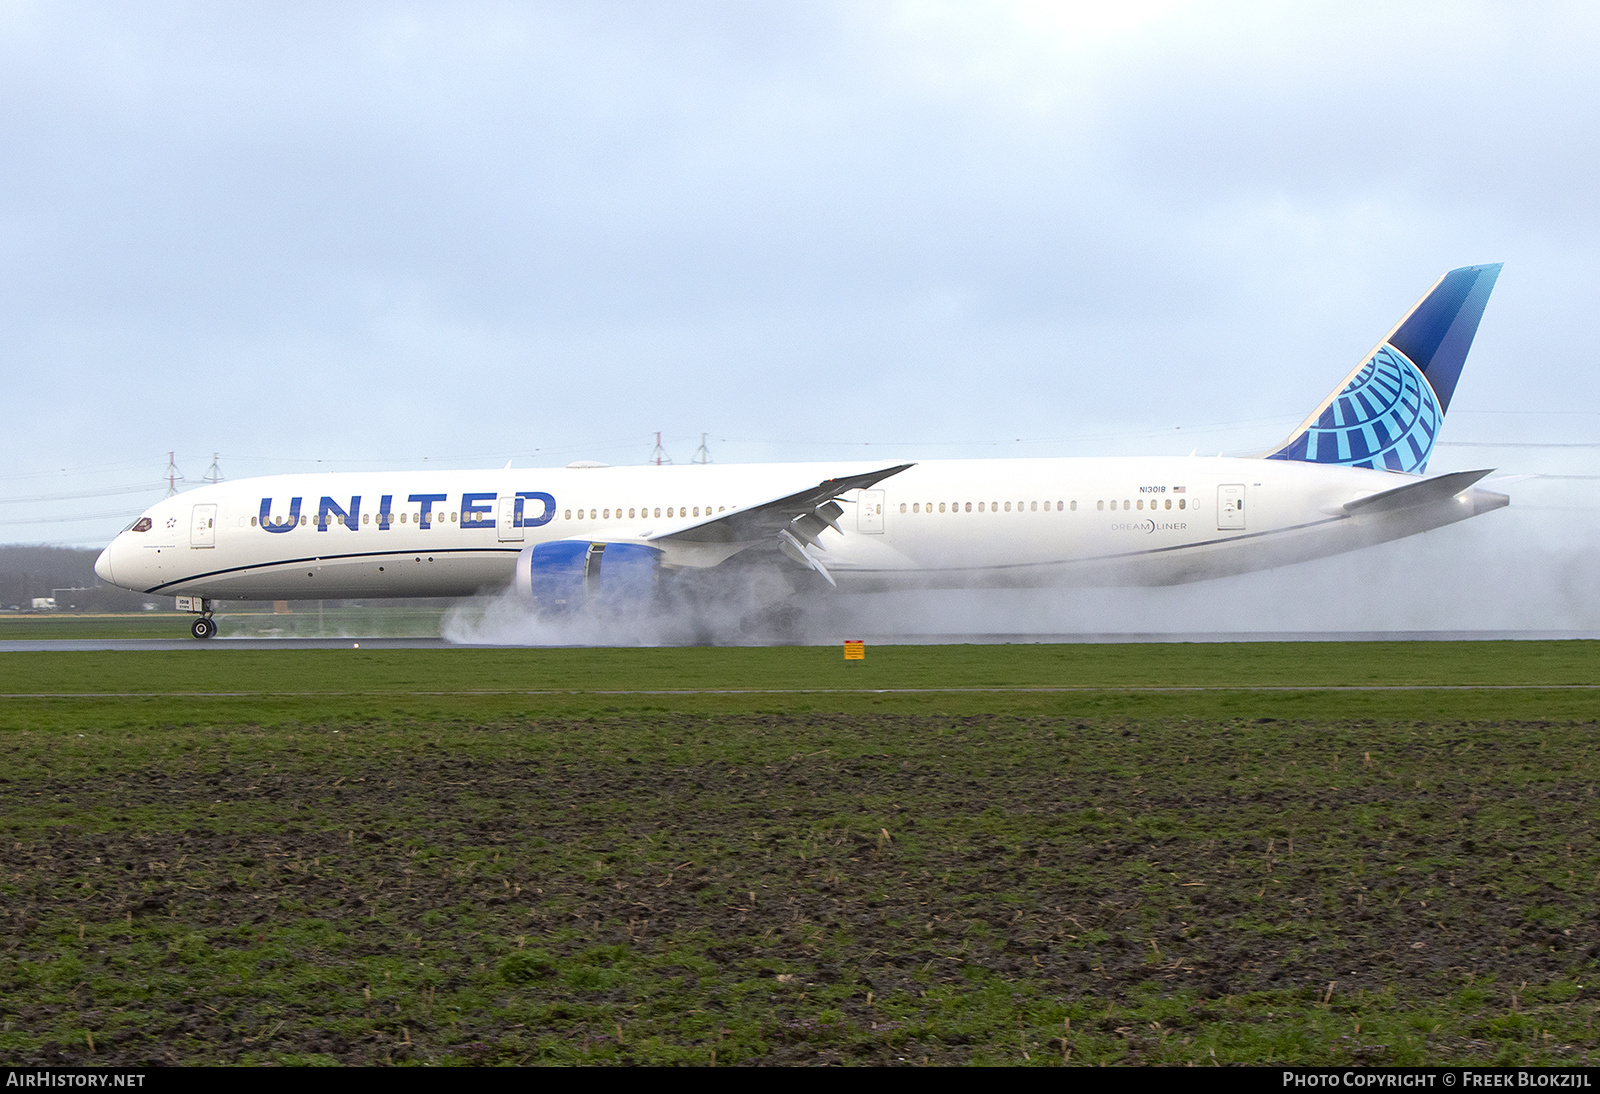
{"x": 71, "y": 645}
{"x": 77, "y": 645}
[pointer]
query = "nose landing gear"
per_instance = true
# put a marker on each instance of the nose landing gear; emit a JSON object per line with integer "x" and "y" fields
{"x": 205, "y": 626}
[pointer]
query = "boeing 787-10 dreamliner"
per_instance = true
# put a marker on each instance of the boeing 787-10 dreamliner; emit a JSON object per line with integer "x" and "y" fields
{"x": 1351, "y": 475}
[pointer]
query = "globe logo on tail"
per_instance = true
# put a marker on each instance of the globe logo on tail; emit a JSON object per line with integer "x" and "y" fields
{"x": 1385, "y": 418}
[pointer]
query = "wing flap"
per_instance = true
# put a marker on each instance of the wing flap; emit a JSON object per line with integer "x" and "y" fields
{"x": 794, "y": 550}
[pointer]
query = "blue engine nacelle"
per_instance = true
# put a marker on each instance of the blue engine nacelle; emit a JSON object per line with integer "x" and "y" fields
{"x": 570, "y": 573}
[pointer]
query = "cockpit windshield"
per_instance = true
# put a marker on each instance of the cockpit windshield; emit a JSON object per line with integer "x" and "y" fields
{"x": 140, "y": 525}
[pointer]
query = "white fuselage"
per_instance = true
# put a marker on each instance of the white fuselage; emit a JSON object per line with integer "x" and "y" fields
{"x": 1101, "y": 521}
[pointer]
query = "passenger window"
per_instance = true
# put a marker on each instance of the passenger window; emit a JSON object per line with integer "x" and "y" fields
{"x": 969, "y": 507}
{"x": 252, "y": 523}
{"x": 658, "y": 512}
{"x": 1008, "y": 507}
{"x": 1180, "y": 503}
{"x": 1074, "y": 506}
{"x": 1099, "y": 505}
{"x": 941, "y": 507}
{"x": 697, "y": 510}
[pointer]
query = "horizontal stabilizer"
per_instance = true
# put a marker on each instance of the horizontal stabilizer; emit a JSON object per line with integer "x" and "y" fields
{"x": 1426, "y": 492}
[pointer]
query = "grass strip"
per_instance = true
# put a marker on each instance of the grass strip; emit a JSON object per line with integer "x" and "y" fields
{"x": 1120, "y": 884}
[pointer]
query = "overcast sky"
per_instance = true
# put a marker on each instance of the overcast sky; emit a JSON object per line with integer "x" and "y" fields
{"x": 382, "y": 235}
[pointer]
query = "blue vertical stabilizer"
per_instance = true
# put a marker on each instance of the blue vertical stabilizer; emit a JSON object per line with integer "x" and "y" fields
{"x": 1386, "y": 414}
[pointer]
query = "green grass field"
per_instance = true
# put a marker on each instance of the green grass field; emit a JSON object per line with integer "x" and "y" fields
{"x": 1026, "y": 854}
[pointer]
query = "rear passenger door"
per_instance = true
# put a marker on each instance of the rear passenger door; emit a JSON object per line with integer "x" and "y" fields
{"x": 1230, "y": 507}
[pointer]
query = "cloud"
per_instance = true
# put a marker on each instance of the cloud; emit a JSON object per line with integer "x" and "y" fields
{"x": 378, "y": 232}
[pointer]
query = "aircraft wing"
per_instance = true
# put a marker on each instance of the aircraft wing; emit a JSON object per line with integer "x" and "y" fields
{"x": 792, "y": 523}
{"x": 768, "y": 518}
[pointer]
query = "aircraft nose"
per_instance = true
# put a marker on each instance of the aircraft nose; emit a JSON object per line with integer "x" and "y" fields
{"x": 102, "y": 567}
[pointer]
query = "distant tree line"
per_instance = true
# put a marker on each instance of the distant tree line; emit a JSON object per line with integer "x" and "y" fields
{"x": 28, "y": 572}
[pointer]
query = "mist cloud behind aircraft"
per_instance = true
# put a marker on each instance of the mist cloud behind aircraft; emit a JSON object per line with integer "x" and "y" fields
{"x": 380, "y": 236}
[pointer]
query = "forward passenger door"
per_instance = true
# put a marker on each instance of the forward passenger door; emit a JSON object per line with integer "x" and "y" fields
{"x": 203, "y": 526}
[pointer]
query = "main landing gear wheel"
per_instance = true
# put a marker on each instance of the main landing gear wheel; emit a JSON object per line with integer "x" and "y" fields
{"x": 204, "y": 627}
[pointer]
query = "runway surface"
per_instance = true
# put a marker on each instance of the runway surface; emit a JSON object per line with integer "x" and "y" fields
{"x": 71, "y": 645}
